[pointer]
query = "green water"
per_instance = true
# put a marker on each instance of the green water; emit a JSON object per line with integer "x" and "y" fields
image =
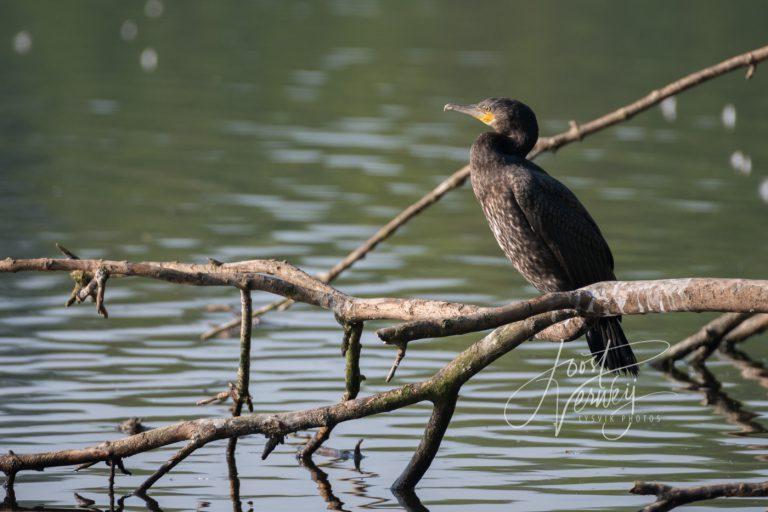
{"x": 292, "y": 130}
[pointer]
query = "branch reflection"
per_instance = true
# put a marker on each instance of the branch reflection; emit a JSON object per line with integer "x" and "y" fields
{"x": 703, "y": 381}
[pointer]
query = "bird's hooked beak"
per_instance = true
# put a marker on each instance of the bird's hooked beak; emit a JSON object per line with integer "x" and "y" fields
{"x": 473, "y": 110}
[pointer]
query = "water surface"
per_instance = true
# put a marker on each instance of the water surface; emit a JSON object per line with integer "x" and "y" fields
{"x": 292, "y": 130}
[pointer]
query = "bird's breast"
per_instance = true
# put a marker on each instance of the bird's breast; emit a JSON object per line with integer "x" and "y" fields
{"x": 526, "y": 250}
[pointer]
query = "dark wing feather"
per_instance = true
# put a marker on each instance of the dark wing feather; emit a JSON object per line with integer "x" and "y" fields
{"x": 559, "y": 218}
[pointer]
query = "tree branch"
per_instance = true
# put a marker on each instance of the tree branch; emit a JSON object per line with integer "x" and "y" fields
{"x": 706, "y": 338}
{"x": 168, "y": 465}
{"x": 244, "y": 368}
{"x": 605, "y": 299}
{"x": 653, "y": 98}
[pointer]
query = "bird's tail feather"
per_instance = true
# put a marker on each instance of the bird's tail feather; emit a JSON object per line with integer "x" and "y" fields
{"x": 610, "y": 347}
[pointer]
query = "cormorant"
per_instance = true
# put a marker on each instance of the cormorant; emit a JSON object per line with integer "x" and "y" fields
{"x": 541, "y": 226}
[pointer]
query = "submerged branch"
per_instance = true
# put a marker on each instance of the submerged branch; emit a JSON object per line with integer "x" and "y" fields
{"x": 668, "y": 497}
{"x": 704, "y": 341}
{"x": 753, "y": 326}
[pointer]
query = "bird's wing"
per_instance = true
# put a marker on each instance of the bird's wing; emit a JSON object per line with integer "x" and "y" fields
{"x": 559, "y": 218}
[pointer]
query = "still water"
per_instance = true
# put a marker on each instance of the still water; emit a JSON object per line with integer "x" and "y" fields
{"x": 187, "y": 130}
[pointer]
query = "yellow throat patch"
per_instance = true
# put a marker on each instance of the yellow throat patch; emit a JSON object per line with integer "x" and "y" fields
{"x": 486, "y": 117}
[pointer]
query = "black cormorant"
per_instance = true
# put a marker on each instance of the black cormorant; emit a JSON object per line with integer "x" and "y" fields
{"x": 539, "y": 223}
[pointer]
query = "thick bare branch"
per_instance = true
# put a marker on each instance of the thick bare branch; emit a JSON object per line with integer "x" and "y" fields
{"x": 602, "y": 299}
{"x": 488, "y": 318}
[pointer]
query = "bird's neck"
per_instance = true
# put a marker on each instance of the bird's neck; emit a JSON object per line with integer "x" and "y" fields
{"x": 492, "y": 148}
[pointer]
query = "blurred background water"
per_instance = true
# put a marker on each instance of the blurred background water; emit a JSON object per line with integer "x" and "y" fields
{"x": 185, "y": 130}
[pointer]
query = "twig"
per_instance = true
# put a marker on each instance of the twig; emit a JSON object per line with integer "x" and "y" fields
{"x": 218, "y": 308}
{"x": 82, "y": 501}
{"x": 118, "y": 462}
{"x": 168, "y": 465}
{"x": 235, "y": 322}
{"x": 101, "y": 284}
{"x": 80, "y": 278}
{"x": 86, "y": 465}
{"x": 66, "y": 252}
{"x": 89, "y": 290}
{"x": 459, "y": 177}
{"x": 668, "y": 497}
{"x": 221, "y": 396}
{"x": 10, "y": 480}
{"x": 271, "y": 444}
{"x": 399, "y": 355}
{"x": 651, "y": 99}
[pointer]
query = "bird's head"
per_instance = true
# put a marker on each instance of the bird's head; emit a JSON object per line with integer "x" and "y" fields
{"x": 506, "y": 116}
